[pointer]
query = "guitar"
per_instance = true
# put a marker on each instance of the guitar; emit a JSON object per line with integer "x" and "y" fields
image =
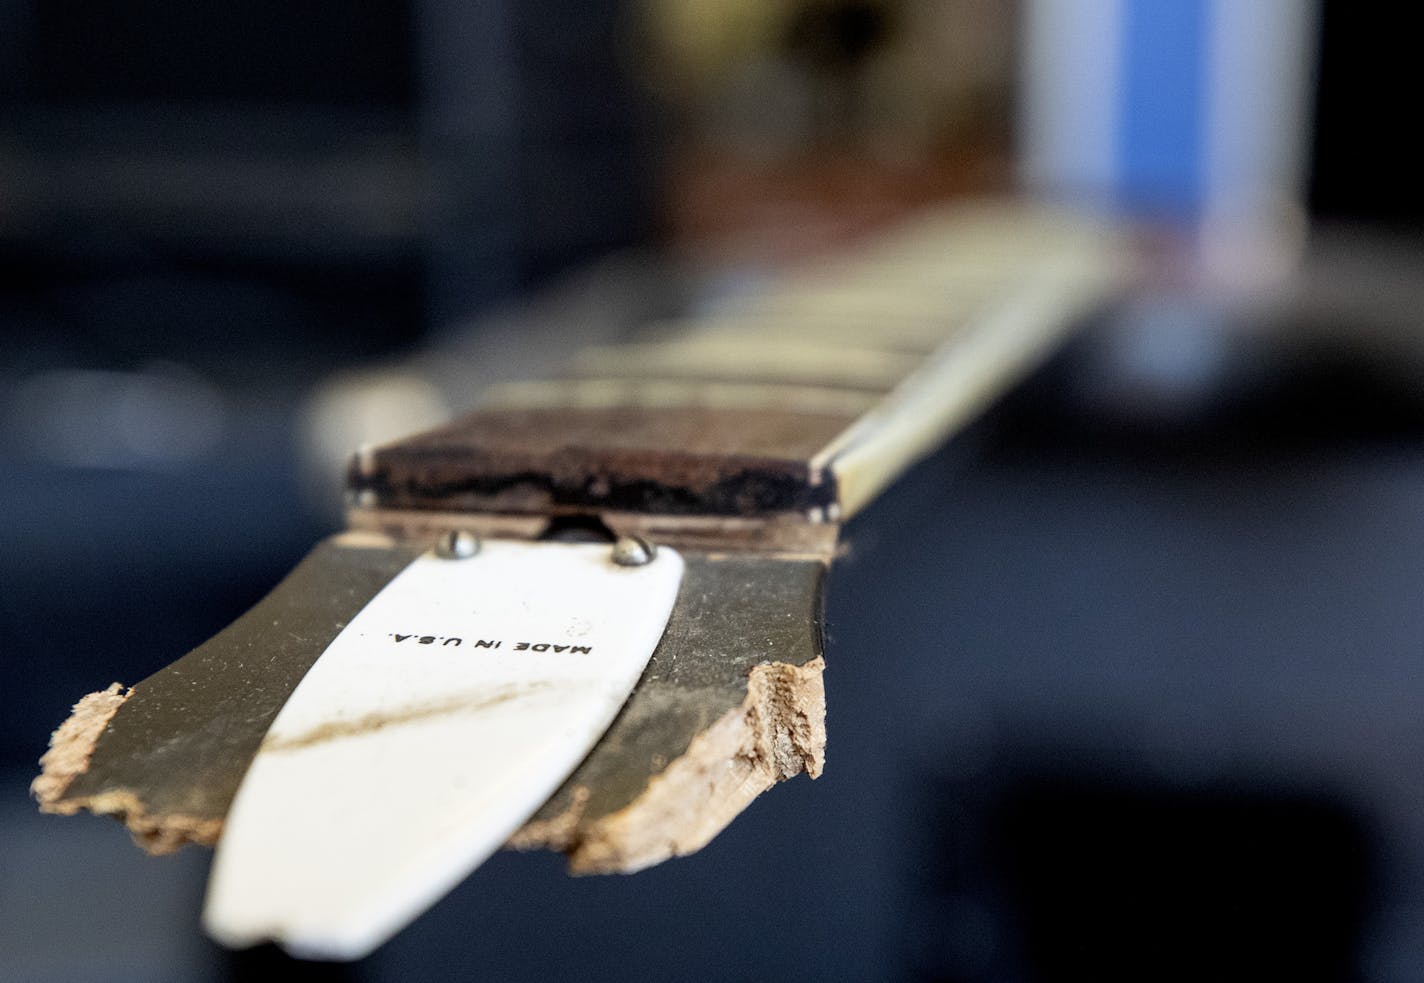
{"x": 585, "y": 616}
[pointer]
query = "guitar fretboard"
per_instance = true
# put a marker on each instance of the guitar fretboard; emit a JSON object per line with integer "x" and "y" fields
{"x": 796, "y": 405}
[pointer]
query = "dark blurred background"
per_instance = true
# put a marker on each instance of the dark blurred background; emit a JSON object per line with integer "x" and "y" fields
{"x": 1123, "y": 683}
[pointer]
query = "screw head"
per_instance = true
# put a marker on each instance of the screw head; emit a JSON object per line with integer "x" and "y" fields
{"x": 633, "y": 551}
{"x": 457, "y": 544}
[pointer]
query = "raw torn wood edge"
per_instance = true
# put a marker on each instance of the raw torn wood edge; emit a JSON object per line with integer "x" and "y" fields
{"x": 779, "y": 731}
{"x": 70, "y": 748}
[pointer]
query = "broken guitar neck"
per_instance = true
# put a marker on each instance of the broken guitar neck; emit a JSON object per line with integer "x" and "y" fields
{"x": 741, "y": 441}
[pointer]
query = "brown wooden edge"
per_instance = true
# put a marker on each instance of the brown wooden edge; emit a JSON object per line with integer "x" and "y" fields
{"x": 731, "y": 703}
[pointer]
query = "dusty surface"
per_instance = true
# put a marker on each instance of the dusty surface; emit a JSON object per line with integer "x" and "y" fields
{"x": 778, "y": 732}
{"x": 170, "y": 757}
{"x": 731, "y": 702}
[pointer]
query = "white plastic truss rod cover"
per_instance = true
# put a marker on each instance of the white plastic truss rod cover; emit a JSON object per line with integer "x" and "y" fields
{"x": 439, "y": 720}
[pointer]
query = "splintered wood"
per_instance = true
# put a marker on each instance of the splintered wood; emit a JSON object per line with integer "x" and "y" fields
{"x": 778, "y": 733}
{"x": 731, "y": 702}
{"x": 70, "y": 749}
{"x": 71, "y": 746}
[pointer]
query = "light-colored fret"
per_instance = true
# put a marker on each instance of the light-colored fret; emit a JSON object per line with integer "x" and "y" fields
{"x": 962, "y": 378}
{"x": 741, "y": 358}
{"x": 584, "y": 394}
{"x": 912, "y": 332}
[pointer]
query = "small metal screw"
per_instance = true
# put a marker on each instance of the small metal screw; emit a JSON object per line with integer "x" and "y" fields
{"x": 633, "y": 551}
{"x": 457, "y": 544}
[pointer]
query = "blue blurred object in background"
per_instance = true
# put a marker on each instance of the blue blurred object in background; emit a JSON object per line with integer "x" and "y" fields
{"x": 1185, "y": 111}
